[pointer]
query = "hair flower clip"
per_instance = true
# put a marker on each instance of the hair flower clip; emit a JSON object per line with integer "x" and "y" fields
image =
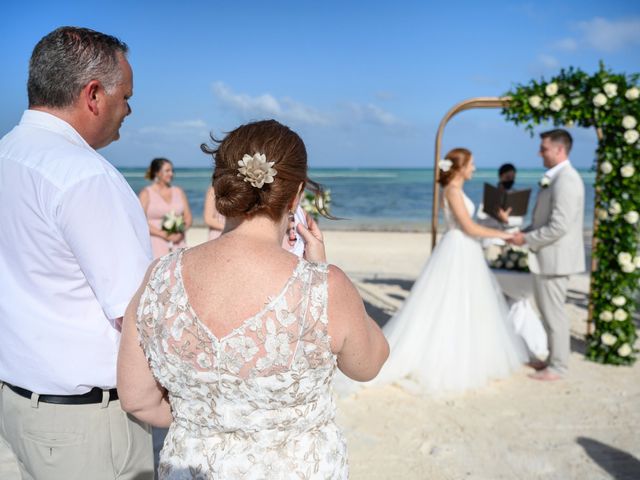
{"x": 445, "y": 164}
{"x": 256, "y": 170}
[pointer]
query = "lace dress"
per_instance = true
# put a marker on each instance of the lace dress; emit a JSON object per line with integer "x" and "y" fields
{"x": 256, "y": 403}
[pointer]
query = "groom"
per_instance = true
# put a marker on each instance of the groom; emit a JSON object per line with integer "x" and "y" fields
{"x": 555, "y": 240}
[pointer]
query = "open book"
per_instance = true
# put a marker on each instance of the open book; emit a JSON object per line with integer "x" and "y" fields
{"x": 495, "y": 198}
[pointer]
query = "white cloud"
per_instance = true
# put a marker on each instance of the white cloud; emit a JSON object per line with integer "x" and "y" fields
{"x": 371, "y": 113}
{"x": 610, "y": 35}
{"x": 548, "y": 61}
{"x": 566, "y": 45}
{"x": 288, "y": 109}
{"x": 267, "y": 105}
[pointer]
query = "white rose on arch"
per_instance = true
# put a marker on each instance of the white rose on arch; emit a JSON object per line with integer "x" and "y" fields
{"x": 611, "y": 89}
{"x": 619, "y": 301}
{"x": 600, "y": 100}
{"x": 551, "y": 89}
{"x": 636, "y": 261}
{"x": 624, "y": 258}
{"x": 608, "y": 339}
{"x": 606, "y": 316}
{"x": 535, "y": 101}
{"x": 556, "y": 104}
{"x": 615, "y": 208}
{"x": 627, "y": 170}
{"x": 629, "y": 122}
{"x": 620, "y": 315}
{"x": 632, "y": 94}
{"x": 632, "y": 217}
{"x": 628, "y": 267}
{"x": 631, "y": 136}
{"x": 624, "y": 350}
{"x": 606, "y": 167}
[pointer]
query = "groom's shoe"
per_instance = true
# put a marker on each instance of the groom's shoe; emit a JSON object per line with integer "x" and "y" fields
{"x": 537, "y": 365}
{"x": 546, "y": 375}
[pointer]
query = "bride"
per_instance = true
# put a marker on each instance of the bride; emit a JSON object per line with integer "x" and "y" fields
{"x": 452, "y": 332}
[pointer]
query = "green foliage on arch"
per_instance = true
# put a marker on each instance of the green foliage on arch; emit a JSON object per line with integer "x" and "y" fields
{"x": 611, "y": 103}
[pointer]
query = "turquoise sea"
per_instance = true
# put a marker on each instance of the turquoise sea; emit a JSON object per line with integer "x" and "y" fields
{"x": 371, "y": 199}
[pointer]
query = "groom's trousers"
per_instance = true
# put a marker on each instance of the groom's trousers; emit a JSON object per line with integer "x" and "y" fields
{"x": 550, "y": 292}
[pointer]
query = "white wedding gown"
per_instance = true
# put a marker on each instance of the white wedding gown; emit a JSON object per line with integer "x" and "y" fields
{"x": 452, "y": 333}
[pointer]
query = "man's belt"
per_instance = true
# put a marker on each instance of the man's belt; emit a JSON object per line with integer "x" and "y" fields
{"x": 92, "y": 396}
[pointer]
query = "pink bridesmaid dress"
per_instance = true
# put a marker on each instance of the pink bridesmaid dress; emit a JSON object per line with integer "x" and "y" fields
{"x": 157, "y": 209}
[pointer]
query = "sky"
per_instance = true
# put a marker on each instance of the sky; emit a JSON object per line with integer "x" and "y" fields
{"x": 365, "y": 84}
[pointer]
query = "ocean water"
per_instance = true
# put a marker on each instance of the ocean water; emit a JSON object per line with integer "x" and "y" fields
{"x": 372, "y": 199}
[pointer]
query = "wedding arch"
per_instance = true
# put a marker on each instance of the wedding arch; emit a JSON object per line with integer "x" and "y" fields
{"x": 609, "y": 102}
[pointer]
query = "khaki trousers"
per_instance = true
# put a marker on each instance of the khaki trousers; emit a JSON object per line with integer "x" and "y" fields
{"x": 550, "y": 292}
{"x": 45, "y": 441}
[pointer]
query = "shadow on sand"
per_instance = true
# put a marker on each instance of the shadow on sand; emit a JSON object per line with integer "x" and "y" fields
{"x": 617, "y": 463}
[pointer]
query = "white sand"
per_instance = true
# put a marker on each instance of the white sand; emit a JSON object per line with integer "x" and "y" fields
{"x": 586, "y": 427}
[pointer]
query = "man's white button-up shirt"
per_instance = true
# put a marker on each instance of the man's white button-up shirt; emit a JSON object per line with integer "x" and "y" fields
{"x": 74, "y": 247}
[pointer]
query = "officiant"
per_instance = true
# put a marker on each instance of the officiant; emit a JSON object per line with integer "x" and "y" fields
{"x": 506, "y": 179}
{"x": 492, "y": 246}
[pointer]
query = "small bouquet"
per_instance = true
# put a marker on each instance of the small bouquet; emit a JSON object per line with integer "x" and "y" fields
{"x": 172, "y": 223}
{"x": 511, "y": 258}
{"x": 308, "y": 203}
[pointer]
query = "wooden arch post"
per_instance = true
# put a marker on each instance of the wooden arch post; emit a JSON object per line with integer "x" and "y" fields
{"x": 479, "y": 102}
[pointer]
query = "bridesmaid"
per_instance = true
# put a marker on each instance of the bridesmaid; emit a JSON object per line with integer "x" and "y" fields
{"x": 160, "y": 198}
{"x": 212, "y": 217}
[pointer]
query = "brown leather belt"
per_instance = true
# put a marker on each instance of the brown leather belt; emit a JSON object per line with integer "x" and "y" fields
{"x": 92, "y": 396}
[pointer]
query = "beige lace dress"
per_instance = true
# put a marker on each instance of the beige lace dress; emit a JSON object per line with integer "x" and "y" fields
{"x": 256, "y": 403}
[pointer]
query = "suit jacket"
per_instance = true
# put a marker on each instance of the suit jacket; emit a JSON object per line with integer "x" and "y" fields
{"x": 555, "y": 237}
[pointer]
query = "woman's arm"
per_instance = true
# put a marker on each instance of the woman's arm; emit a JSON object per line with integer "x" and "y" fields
{"x": 357, "y": 340}
{"x": 456, "y": 204}
{"x": 186, "y": 214}
{"x": 210, "y": 214}
{"x": 140, "y": 394}
{"x": 144, "y": 200}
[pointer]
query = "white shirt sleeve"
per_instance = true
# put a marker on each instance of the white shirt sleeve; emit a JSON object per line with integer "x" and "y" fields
{"x": 106, "y": 230}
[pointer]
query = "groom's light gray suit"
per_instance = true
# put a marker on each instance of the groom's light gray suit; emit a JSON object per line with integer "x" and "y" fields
{"x": 556, "y": 245}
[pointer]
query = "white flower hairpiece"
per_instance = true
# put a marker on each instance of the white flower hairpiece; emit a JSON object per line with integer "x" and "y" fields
{"x": 256, "y": 170}
{"x": 445, "y": 164}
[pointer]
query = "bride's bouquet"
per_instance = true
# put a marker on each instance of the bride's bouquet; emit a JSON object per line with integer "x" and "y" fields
{"x": 511, "y": 258}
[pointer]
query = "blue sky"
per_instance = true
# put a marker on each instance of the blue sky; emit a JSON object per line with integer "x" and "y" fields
{"x": 363, "y": 83}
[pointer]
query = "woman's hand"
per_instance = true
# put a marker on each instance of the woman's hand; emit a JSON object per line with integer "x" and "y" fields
{"x": 314, "y": 243}
{"x": 503, "y": 215}
{"x": 175, "y": 237}
{"x": 507, "y": 237}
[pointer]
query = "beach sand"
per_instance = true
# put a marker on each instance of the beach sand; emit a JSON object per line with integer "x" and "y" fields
{"x": 586, "y": 426}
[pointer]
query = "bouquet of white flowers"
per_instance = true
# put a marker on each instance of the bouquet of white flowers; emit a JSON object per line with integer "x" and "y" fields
{"x": 511, "y": 258}
{"x": 172, "y": 223}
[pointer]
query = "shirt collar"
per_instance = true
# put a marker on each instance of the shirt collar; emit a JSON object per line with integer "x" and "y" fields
{"x": 55, "y": 124}
{"x": 553, "y": 171}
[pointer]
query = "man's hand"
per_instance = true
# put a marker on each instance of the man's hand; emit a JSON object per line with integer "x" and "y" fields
{"x": 518, "y": 239}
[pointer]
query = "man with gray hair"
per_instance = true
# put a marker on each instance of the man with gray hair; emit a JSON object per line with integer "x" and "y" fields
{"x": 74, "y": 249}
